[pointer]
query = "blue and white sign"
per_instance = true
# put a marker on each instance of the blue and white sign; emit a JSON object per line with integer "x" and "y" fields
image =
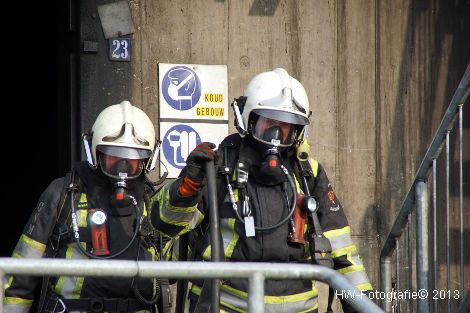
{"x": 181, "y": 88}
{"x": 120, "y": 49}
{"x": 179, "y": 139}
{"x": 193, "y": 91}
{"x": 178, "y": 142}
{"x": 193, "y": 109}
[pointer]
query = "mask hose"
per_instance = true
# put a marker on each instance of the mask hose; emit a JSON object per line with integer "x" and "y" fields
{"x": 281, "y": 222}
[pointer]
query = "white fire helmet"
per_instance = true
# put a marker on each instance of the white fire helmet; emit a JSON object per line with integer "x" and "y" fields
{"x": 275, "y": 95}
{"x": 123, "y": 131}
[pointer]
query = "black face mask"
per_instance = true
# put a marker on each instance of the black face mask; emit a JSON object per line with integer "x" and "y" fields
{"x": 121, "y": 169}
{"x": 119, "y": 197}
{"x": 270, "y": 172}
{"x": 273, "y": 134}
{"x": 120, "y": 173}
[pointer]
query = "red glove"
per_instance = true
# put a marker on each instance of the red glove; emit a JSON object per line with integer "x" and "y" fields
{"x": 195, "y": 172}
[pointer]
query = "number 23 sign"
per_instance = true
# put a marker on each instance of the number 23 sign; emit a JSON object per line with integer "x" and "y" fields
{"x": 120, "y": 49}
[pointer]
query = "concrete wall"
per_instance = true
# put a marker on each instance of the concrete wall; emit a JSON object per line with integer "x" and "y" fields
{"x": 379, "y": 75}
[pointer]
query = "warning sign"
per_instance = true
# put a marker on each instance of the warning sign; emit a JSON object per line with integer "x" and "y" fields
{"x": 193, "y": 109}
{"x": 179, "y": 139}
{"x": 185, "y": 88}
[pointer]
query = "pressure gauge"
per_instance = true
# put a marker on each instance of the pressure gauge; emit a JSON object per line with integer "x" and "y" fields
{"x": 310, "y": 204}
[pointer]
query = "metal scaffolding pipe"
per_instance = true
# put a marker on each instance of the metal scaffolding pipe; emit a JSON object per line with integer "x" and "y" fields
{"x": 256, "y": 292}
{"x": 386, "y": 281}
{"x": 434, "y": 242}
{"x": 462, "y": 280}
{"x": 447, "y": 159}
{"x": 410, "y": 265}
{"x": 216, "y": 241}
{"x": 422, "y": 243}
{"x": 460, "y": 95}
{"x": 118, "y": 268}
{"x": 397, "y": 273}
{"x": 2, "y": 282}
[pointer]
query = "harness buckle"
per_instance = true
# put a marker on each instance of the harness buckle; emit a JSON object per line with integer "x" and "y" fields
{"x": 60, "y": 232}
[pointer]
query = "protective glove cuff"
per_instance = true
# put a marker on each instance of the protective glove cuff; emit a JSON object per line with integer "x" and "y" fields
{"x": 189, "y": 187}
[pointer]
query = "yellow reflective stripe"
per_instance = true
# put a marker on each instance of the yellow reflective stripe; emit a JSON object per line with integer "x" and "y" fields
{"x": 180, "y": 209}
{"x": 152, "y": 252}
{"x": 235, "y": 194}
{"x": 61, "y": 280}
{"x": 15, "y": 300}
{"x": 337, "y": 232}
{"x": 70, "y": 286}
{"x": 352, "y": 268}
{"x": 33, "y": 243}
{"x": 200, "y": 217}
{"x": 197, "y": 291}
{"x": 8, "y": 283}
{"x": 231, "y": 245}
{"x": 155, "y": 257}
{"x": 343, "y": 251}
{"x": 207, "y": 253}
{"x": 297, "y": 185}
{"x": 314, "y": 165}
{"x": 78, "y": 287}
{"x": 228, "y": 250}
{"x": 275, "y": 299}
{"x": 168, "y": 245}
{"x": 232, "y": 307}
{"x": 170, "y": 214}
{"x": 83, "y": 218}
{"x": 145, "y": 210}
{"x": 364, "y": 286}
{"x": 281, "y": 299}
{"x": 82, "y": 202}
{"x": 187, "y": 226}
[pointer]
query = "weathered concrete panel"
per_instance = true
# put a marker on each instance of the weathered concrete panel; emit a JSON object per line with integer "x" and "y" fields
{"x": 318, "y": 73}
{"x": 356, "y": 124}
{"x": 378, "y": 75}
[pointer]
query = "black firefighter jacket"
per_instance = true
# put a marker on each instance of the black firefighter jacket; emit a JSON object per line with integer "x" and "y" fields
{"x": 95, "y": 192}
{"x": 175, "y": 215}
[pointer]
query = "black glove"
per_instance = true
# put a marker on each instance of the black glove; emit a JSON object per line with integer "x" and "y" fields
{"x": 196, "y": 159}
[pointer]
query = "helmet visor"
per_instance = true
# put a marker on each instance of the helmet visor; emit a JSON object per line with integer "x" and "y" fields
{"x": 124, "y": 152}
{"x": 274, "y": 132}
{"x": 282, "y": 116}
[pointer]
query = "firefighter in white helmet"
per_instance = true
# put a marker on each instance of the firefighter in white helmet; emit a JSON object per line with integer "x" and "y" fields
{"x": 268, "y": 190}
{"x": 97, "y": 211}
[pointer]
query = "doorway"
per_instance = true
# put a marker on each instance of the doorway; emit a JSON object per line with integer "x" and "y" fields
{"x": 39, "y": 94}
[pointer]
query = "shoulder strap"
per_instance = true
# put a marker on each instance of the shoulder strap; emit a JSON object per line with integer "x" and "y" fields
{"x": 309, "y": 170}
{"x": 57, "y": 233}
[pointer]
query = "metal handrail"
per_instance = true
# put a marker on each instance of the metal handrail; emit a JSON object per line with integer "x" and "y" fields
{"x": 412, "y": 198}
{"x": 255, "y": 272}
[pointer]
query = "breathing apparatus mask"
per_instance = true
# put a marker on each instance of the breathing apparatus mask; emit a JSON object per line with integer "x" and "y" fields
{"x": 273, "y": 137}
{"x": 121, "y": 164}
